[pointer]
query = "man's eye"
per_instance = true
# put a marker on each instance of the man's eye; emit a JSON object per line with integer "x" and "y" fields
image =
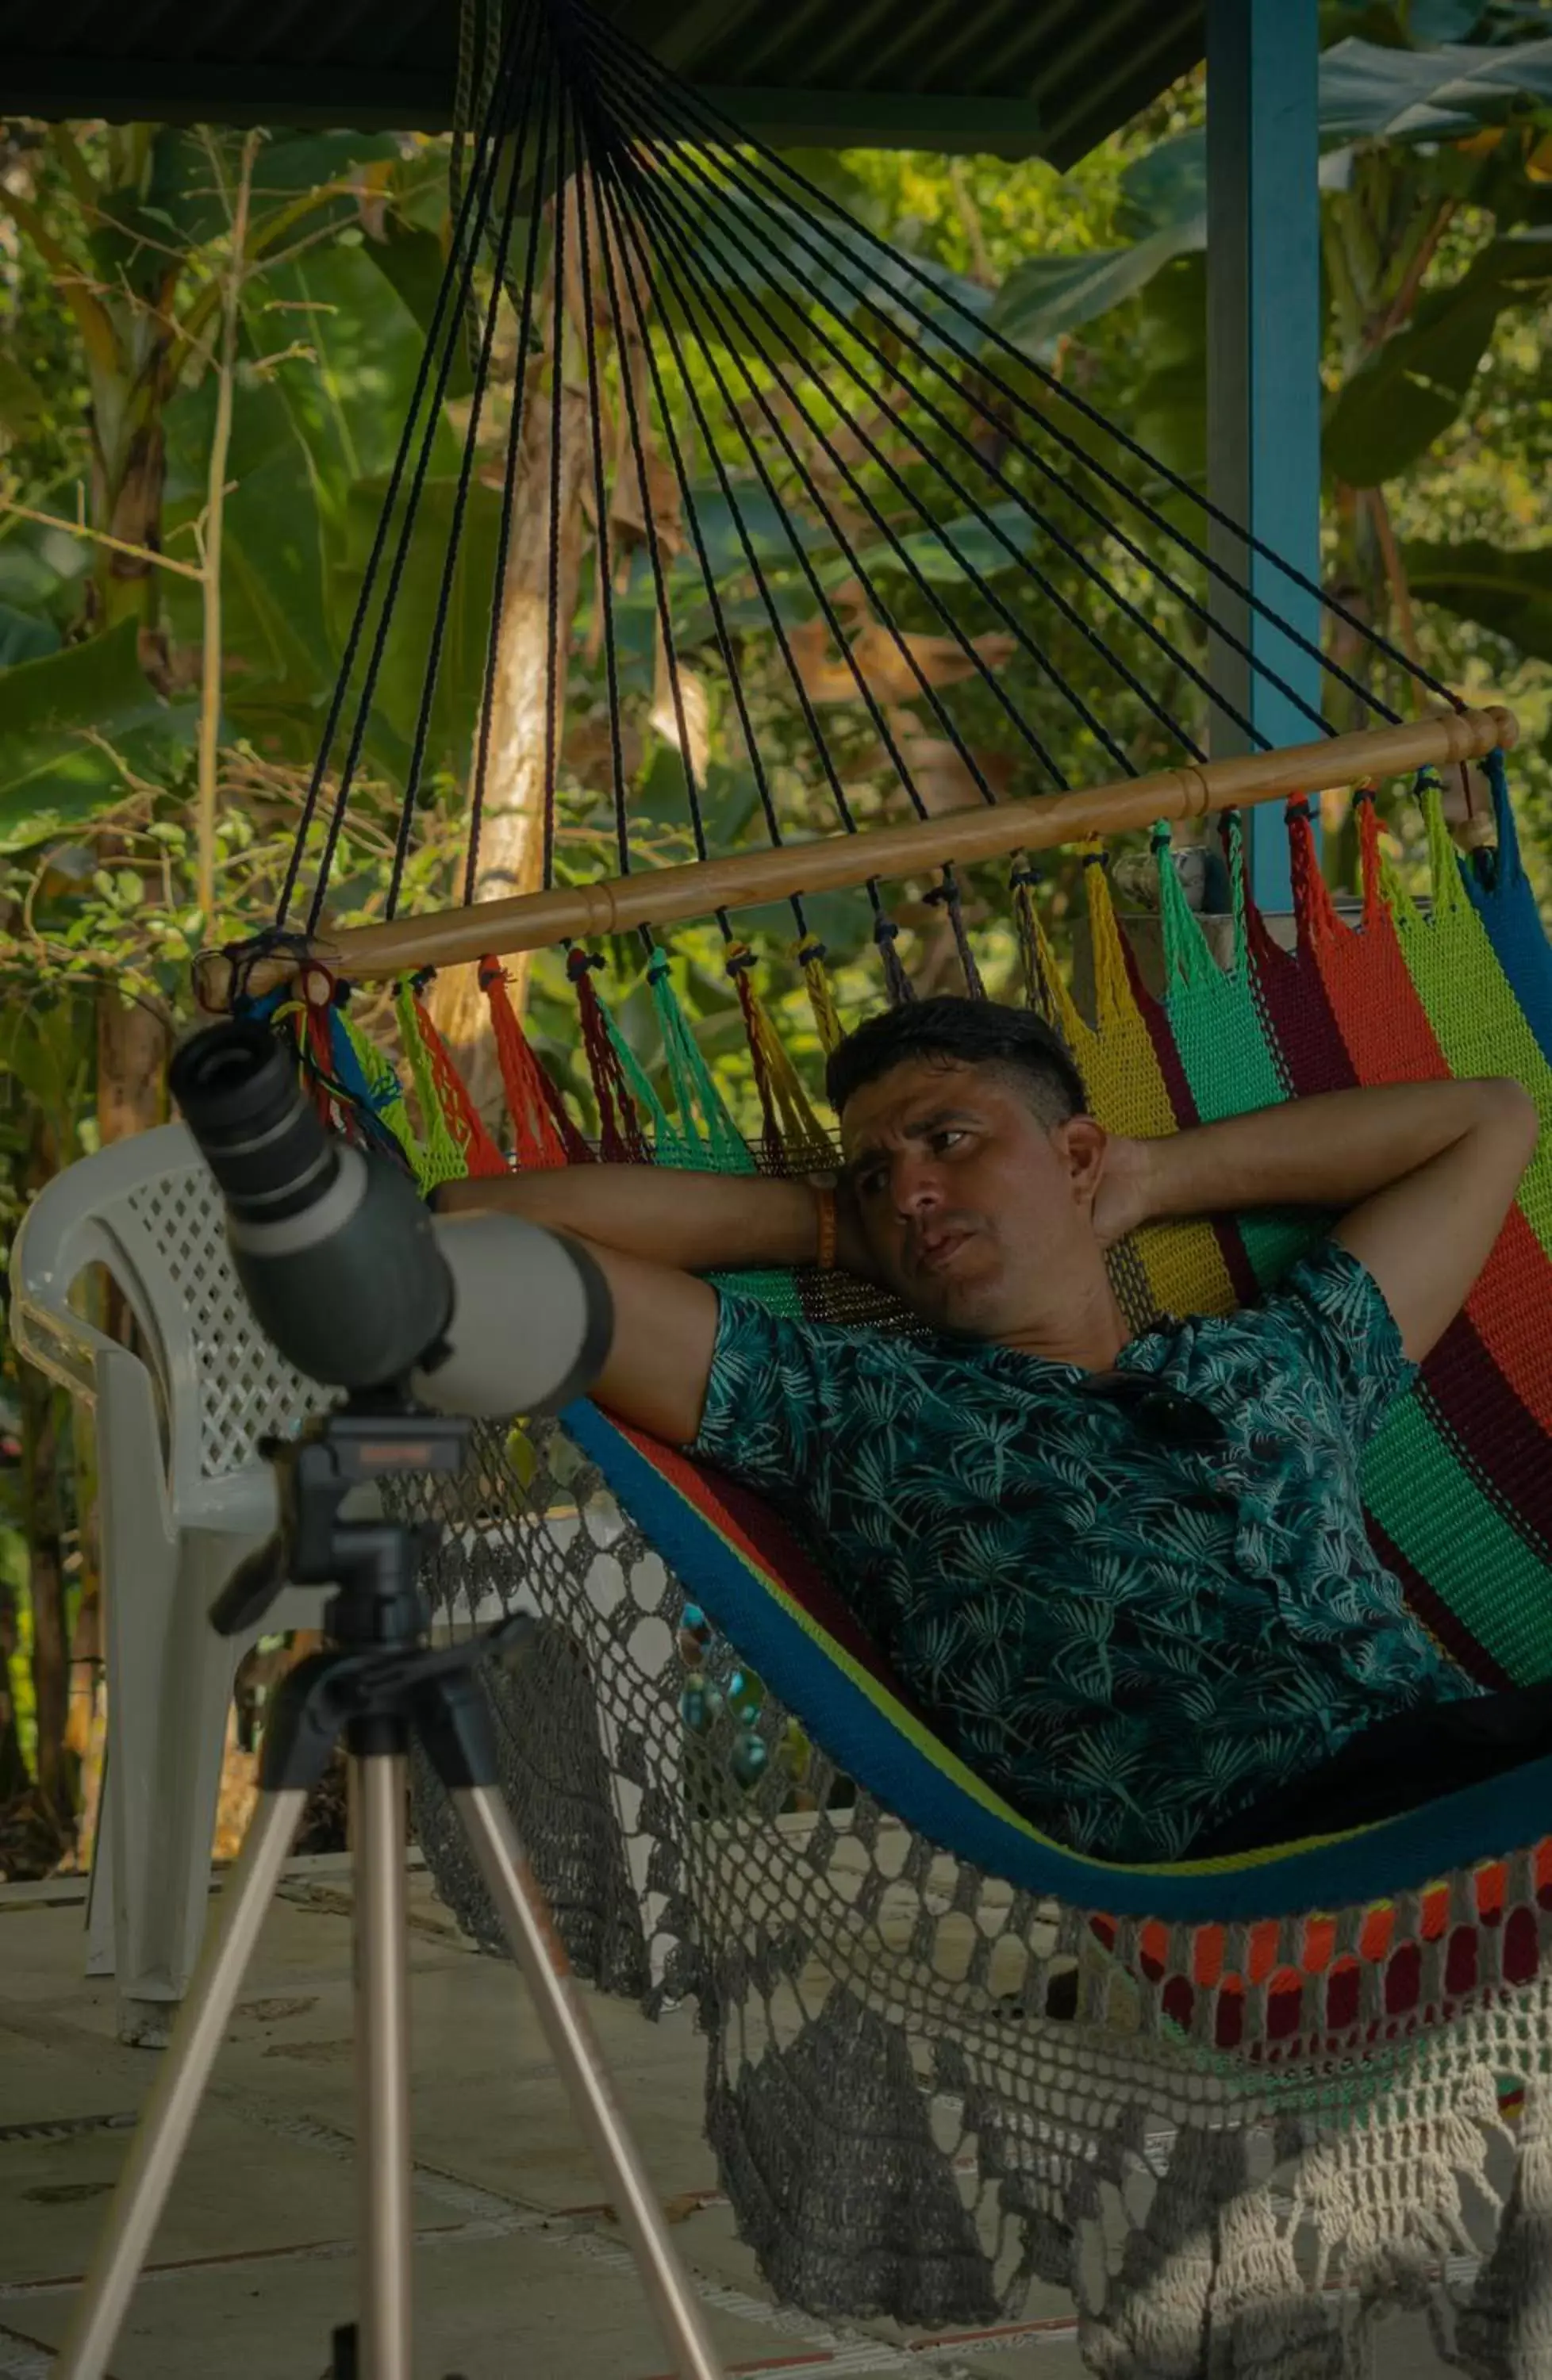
{"x": 869, "y": 1184}
{"x": 946, "y": 1140}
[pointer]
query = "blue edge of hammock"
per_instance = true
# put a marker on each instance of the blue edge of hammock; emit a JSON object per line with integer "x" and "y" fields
{"x": 876, "y": 1751}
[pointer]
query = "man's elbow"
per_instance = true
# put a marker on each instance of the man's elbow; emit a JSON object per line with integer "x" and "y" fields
{"x": 1510, "y": 1113}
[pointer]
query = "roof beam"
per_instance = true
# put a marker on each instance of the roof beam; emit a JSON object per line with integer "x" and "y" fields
{"x": 182, "y": 90}
{"x": 870, "y": 119}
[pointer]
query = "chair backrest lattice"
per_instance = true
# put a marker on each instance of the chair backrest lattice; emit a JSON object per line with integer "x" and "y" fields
{"x": 247, "y": 1389}
{"x": 148, "y": 1211}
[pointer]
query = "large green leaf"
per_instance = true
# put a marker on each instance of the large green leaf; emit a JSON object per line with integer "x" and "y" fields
{"x": 1407, "y": 395}
{"x": 1508, "y": 590}
{"x": 1368, "y": 92}
{"x": 24, "y": 636}
{"x": 1168, "y": 184}
{"x": 960, "y": 547}
{"x": 761, "y": 273}
{"x": 349, "y": 403}
{"x": 412, "y": 262}
{"x": 1046, "y": 296}
{"x": 275, "y": 635}
{"x": 769, "y": 527}
{"x": 304, "y": 434}
{"x": 21, "y": 399}
{"x": 461, "y": 668}
{"x": 1167, "y": 411}
{"x": 193, "y": 177}
{"x": 41, "y": 566}
{"x": 50, "y": 770}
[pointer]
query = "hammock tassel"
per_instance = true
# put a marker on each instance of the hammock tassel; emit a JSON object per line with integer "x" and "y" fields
{"x": 463, "y": 1121}
{"x": 811, "y": 956}
{"x": 1313, "y": 905}
{"x": 543, "y": 1133}
{"x": 1448, "y": 884}
{"x": 1112, "y": 982}
{"x": 1037, "y": 960}
{"x": 372, "y": 1082}
{"x": 1500, "y": 863}
{"x": 315, "y": 1043}
{"x": 441, "y": 1095}
{"x": 1371, "y": 859}
{"x": 620, "y": 1137}
{"x": 707, "y": 1130}
{"x": 794, "y": 1136}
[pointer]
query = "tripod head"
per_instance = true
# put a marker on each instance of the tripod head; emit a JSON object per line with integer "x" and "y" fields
{"x": 372, "y": 1563}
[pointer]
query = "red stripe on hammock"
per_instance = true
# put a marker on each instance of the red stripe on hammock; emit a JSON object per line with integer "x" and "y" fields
{"x": 1389, "y": 1039}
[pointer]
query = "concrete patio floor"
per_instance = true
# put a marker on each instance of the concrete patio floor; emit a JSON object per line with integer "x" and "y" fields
{"x": 521, "y": 2272}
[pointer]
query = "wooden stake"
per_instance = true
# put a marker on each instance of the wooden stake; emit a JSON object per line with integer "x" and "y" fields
{"x": 658, "y": 896}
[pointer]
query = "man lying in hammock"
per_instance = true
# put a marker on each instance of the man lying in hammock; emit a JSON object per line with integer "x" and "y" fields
{"x": 1125, "y": 1576}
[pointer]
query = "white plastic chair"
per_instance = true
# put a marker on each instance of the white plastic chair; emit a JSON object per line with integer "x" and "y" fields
{"x": 184, "y": 1495}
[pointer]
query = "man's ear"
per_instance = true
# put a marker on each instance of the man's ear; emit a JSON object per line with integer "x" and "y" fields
{"x": 1082, "y": 1144}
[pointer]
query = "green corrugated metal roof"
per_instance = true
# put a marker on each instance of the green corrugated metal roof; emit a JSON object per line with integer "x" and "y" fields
{"x": 1016, "y": 77}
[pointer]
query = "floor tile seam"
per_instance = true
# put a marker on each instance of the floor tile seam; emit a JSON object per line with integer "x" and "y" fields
{"x": 22, "y": 2357}
{"x": 510, "y": 2210}
{"x": 854, "y": 2353}
{"x": 292, "y": 2252}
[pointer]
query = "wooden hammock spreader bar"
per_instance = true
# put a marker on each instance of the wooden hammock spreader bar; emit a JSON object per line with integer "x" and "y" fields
{"x": 745, "y": 880}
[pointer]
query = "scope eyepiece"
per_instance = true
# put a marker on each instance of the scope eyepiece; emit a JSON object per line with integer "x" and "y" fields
{"x": 242, "y": 1099}
{"x": 346, "y": 1273}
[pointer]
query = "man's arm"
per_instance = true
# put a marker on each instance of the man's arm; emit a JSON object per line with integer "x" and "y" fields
{"x": 651, "y": 1229}
{"x": 1425, "y": 1173}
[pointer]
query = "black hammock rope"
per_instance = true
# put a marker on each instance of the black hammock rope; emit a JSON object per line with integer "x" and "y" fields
{"x": 748, "y": 348}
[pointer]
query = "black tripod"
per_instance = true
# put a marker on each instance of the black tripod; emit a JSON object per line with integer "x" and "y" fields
{"x": 380, "y": 1684}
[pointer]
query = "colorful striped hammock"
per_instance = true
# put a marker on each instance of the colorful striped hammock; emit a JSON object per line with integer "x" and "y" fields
{"x": 1307, "y": 1988}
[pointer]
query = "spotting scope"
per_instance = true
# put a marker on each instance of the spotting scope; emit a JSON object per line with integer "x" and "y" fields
{"x": 354, "y": 1280}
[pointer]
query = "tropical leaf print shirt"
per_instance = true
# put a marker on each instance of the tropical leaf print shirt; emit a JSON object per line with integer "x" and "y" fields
{"x": 1131, "y": 1621}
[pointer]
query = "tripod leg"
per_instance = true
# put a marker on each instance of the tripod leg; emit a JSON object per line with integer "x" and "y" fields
{"x": 377, "y": 1784}
{"x": 174, "y": 2100}
{"x": 546, "y": 1969}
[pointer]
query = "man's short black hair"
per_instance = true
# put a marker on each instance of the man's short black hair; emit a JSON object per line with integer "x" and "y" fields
{"x": 965, "y": 1033}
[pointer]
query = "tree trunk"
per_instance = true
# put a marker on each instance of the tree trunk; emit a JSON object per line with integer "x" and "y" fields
{"x": 43, "y": 1528}
{"x": 512, "y": 822}
{"x": 14, "y": 1779}
{"x": 132, "y": 1050}
{"x": 129, "y": 460}
{"x": 42, "y": 1521}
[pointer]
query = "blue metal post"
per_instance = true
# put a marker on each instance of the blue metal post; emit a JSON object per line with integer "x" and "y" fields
{"x": 1264, "y": 370}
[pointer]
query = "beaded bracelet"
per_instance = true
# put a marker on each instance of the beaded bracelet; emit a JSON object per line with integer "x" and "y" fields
{"x": 824, "y": 1201}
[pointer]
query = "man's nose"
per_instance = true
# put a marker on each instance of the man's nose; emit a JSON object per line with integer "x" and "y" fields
{"x": 918, "y": 1189}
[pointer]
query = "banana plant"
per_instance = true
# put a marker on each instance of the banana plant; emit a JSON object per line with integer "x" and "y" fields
{"x": 135, "y": 230}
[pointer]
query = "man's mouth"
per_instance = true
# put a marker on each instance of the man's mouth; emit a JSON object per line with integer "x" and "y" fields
{"x": 935, "y": 1251}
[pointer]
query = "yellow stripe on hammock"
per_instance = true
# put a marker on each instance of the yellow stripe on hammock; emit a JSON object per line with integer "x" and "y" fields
{"x": 1128, "y": 1093}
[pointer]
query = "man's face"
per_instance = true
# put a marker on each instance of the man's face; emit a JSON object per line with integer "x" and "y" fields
{"x": 975, "y": 1211}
